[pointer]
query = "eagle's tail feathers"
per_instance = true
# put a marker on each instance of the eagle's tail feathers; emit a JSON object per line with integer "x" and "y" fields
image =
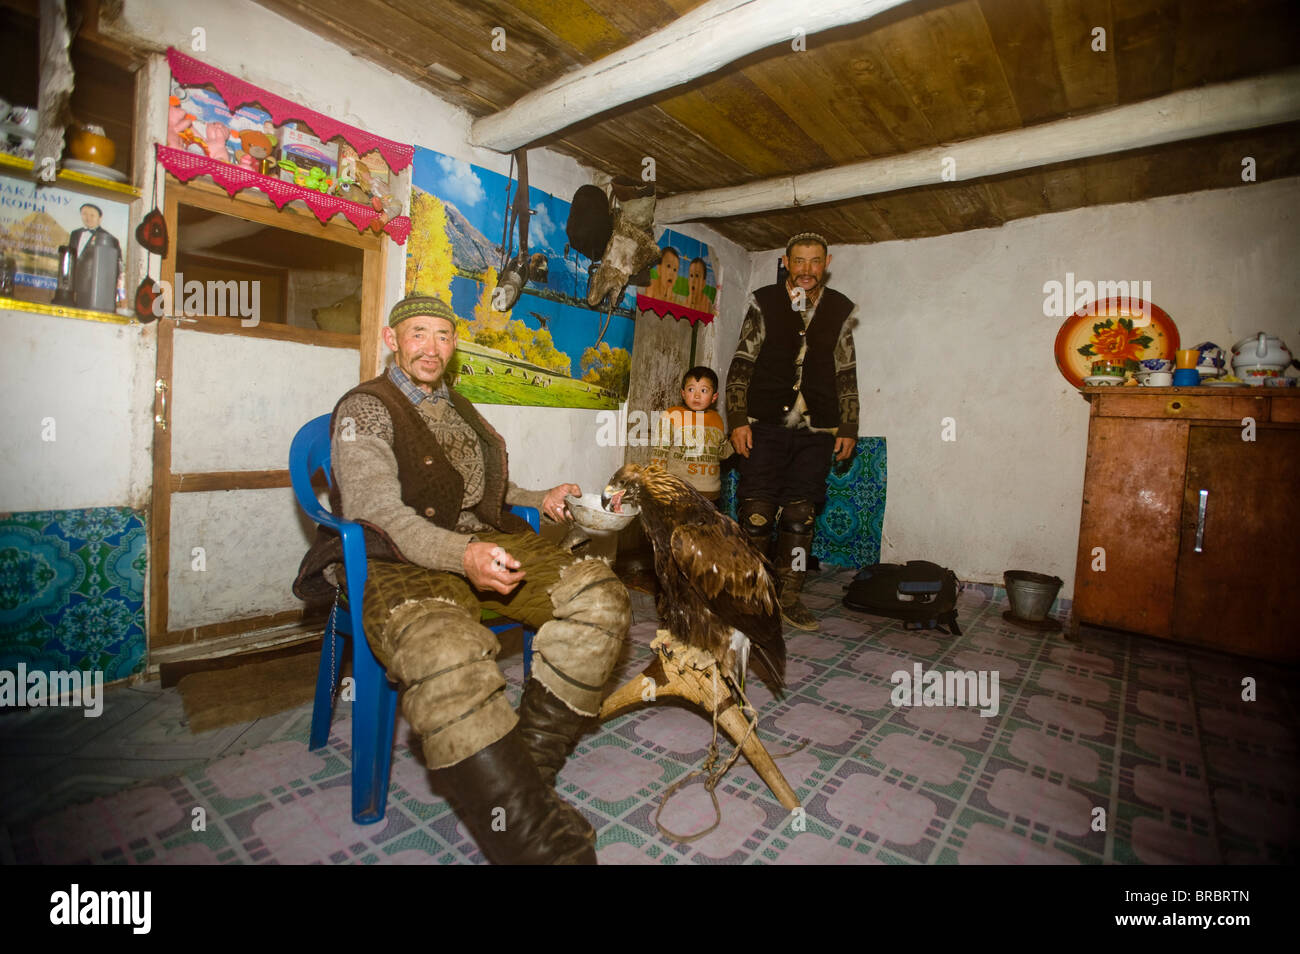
{"x": 771, "y": 670}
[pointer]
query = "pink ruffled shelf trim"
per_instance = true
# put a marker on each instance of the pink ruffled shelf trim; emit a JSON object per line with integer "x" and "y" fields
{"x": 236, "y": 93}
{"x": 187, "y": 165}
{"x": 665, "y": 309}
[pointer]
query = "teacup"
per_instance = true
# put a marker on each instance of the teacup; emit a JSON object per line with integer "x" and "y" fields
{"x": 1187, "y": 358}
{"x": 1156, "y": 379}
{"x": 1104, "y": 369}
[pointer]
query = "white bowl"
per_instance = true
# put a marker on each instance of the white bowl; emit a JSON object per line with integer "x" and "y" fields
{"x": 1102, "y": 381}
{"x": 588, "y": 513}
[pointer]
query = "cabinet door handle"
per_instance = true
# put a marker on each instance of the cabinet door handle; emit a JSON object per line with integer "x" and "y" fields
{"x": 160, "y": 386}
{"x": 1200, "y": 521}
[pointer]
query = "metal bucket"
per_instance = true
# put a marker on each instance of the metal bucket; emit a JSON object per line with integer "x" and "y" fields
{"x": 1031, "y": 594}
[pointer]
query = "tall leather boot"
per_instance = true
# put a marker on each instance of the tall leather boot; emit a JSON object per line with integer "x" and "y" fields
{"x": 791, "y": 580}
{"x": 515, "y": 818}
{"x": 549, "y": 730}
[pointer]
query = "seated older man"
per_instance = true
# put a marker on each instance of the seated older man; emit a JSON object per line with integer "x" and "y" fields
{"x": 416, "y": 465}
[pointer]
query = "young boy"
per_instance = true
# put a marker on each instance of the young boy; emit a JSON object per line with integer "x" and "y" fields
{"x": 691, "y": 438}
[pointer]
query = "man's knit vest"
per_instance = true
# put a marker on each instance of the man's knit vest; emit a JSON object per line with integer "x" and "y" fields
{"x": 771, "y": 388}
{"x": 430, "y": 485}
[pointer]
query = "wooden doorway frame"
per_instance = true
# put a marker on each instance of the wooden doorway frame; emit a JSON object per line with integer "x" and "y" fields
{"x": 252, "y": 208}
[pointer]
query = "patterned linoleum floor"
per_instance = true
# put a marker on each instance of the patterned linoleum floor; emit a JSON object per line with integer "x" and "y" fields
{"x": 1112, "y": 749}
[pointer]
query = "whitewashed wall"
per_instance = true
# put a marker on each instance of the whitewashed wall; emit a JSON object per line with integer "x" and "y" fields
{"x": 954, "y": 327}
{"x": 84, "y": 377}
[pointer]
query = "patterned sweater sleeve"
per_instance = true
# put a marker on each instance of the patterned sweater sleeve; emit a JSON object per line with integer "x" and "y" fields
{"x": 361, "y": 449}
{"x": 741, "y": 370}
{"x": 519, "y": 497}
{"x": 846, "y": 379}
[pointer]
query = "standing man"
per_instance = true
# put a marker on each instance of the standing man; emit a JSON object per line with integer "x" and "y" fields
{"x": 420, "y": 469}
{"x": 792, "y": 402}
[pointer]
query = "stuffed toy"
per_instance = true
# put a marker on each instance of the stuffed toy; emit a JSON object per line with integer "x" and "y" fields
{"x": 216, "y": 135}
{"x": 179, "y": 133}
{"x": 255, "y": 152}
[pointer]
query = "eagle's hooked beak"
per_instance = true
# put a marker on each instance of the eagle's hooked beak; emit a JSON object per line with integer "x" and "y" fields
{"x": 611, "y": 500}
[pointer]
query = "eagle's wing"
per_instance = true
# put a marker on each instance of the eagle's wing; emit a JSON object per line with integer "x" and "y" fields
{"x": 724, "y": 567}
{"x": 719, "y": 565}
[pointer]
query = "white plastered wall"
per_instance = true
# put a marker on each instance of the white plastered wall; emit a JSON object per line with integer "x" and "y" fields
{"x": 69, "y": 437}
{"x": 954, "y": 327}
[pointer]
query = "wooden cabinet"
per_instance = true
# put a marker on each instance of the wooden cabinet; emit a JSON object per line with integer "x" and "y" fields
{"x": 1190, "y": 526}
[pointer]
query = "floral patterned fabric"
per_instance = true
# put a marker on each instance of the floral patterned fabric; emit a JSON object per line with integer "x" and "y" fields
{"x": 72, "y": 591}
{"x": 849, "y": 525}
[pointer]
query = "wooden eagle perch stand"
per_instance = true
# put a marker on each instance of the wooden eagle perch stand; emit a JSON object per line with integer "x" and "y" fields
{"x": 685, "y": 672}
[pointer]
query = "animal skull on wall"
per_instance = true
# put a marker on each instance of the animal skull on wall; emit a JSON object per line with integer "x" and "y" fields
{"x": 632, "y": 246}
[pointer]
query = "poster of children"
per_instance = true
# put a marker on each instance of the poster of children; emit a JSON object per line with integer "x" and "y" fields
{"x": 682, "y": 282}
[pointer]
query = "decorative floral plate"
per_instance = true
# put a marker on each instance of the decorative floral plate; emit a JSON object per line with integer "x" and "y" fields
{"x": 1119, "y": 330}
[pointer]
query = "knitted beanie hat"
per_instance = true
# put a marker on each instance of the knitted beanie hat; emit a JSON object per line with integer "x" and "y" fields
{"x": 414, "y": 305}
{"x": 806, "y": 238}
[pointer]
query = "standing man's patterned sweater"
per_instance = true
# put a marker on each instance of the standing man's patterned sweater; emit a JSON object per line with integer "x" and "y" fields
{"x": 842, "y": 390}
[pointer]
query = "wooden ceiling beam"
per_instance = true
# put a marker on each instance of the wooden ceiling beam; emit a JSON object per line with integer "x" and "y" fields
{"x": 702, "y": 41}
{"x": 1189, "y": 114}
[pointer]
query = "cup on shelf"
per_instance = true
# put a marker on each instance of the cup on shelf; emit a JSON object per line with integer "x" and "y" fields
{"x": 1155, "y": 379}
{"x": 1104, "y": 369}
{"x": 1187, "y": 377}
{"x": 1187, "y": 358}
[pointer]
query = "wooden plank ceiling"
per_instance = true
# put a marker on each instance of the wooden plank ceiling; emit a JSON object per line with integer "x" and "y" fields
{"x": 924, "y": 74}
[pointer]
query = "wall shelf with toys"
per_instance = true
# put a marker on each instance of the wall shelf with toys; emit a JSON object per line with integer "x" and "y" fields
{"x": 246, "y": 137}
{"x": 186, "y": 166}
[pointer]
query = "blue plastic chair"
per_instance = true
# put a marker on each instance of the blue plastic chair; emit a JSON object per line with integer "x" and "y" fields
{"x": 374, "y": 705}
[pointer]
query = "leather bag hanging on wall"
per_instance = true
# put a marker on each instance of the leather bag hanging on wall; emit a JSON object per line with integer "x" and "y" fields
{"x": 590, "y": 223}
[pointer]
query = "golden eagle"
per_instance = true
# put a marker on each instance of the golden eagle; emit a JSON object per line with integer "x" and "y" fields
{"x": 715, "y": 591}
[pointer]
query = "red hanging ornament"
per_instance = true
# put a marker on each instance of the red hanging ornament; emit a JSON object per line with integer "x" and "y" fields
{"x": 145, "y": 296}
{"x": 152, "y": 233}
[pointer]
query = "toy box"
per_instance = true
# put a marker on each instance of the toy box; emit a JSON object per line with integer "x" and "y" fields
{"x": 305, "y": 151}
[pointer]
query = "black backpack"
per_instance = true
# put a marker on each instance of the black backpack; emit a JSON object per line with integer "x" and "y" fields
{"x": 922, "y": 594}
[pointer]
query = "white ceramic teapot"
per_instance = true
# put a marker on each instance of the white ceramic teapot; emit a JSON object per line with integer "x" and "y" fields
{"x": 1262, "y": 351}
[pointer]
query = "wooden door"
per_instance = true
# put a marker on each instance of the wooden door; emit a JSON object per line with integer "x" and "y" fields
{"x": 226, "y": 533}
{"x": 1238, "y": 588}
{"x": 1128, "y": 531}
